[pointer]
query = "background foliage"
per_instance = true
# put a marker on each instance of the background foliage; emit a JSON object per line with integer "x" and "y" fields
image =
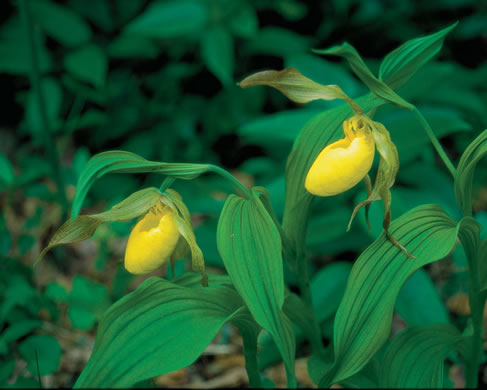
{"x": 157, "y": 78}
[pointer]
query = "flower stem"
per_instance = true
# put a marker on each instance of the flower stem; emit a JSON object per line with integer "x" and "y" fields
{"x": 35, "y": 80}
{"x": 477, "y": 302}
{"x": 436, "y": 143}
{"x": 227, "y": 175}
{"x": 302, "y": 276}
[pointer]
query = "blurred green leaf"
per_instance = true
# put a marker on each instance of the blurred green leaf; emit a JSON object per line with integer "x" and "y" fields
{"x": 217, "y": 53}
{"x": 60, "y": 23}
{"x": 16, "y": 331}
{"x": 243, "y": 21}
{"x": 170, "y": 19}
{"x": 56, "y": 292}
{"x": 6, "y": 171}
{"x": 363, "y": 320}
{"x": 53, "y": 95}
{"x": 42, "y": 354}
{"x": 269, "y": 41}
{"x": 127, "y": 46}
{"x": 328, "y": 287}
{"x": 419, "y": 303}
{"x": 6, "y": 370}
{"x": 173, "y": 323}
{"x": 276, "y": 129}
{"x": 88, "y": 63}
{"x": 88, "y": 301}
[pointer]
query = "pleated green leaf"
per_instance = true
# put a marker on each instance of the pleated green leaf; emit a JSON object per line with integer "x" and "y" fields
{"x": 118, "y": 161}
{"x": 466, "y": 169}
{"x": 318, "y": 132}
{"x": 84, "y": 226}
{"x": 415, "y": 357}
{"x": 250, "y": 246}
{"x": 362, "y": 71}
{"x": 363, "y": 320}
{"x": 402, "y": 63}
{"x": 158, "y": 328}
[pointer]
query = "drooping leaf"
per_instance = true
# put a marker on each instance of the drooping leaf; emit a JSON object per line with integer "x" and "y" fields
{"x": 466, "y": 169}
{"x": 250, "y": 246}
{"x": 402, "y": 63}
{"x": 118, "y": 161}
{"x": 60, "y": 22}
{"x": 84, "y": 226}
{"x": 294, "y": 85}
{"x": 158, "y": 328}
{"x": 363, "y": 320}
{"x": 378, "y": 87}
{"x": 218, "y": 53}
{"x": 170, "y": 19}
{"x": 415, "y": 357}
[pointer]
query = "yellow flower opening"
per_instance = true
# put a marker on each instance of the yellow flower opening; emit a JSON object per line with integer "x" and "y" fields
{"x": 342, "y": 164}
{"x": 152, "y": 241}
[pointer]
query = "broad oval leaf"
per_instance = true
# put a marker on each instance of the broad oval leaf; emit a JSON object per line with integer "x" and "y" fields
{"x": 466, "y": 169}
{"x": 250, "y": 246}
{"x": 414, "y": 358}
{"x": 158, "y": 328}
{"x": 363, "y": 320}
{"x": 118, "y": 161}
{"x": 402, "y": 63}
{"x": 88, "y": 63}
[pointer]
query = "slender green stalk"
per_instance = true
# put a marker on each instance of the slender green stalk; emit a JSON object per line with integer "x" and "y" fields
{"x": 166, "y": 183}
{"x": 314, "y": 338}
{"x": 227, "y": 175}
{"x": 35, "y": 81}
{"x": 436, "y": 143}
{"x": 251, "y": 366}
{"x": 477, "y": 302}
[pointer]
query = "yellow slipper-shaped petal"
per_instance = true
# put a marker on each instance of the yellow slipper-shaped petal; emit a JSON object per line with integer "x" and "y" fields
{"x": 342, "y": 164}
{"x": 152, "y": 241}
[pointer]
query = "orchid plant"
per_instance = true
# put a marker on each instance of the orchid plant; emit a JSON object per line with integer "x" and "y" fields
{"x": 165, "y": 325}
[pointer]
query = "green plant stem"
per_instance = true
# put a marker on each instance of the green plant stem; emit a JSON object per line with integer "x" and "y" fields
{"x": 35, "y": 80}
{"x": 436, "y": 143}
{"x": 166, "y": 183}
{"x": 314, "y": 337}
{"x": 227, "y": 175}
{"x": 477, "y": 302}
{"x": 251, "y": 366}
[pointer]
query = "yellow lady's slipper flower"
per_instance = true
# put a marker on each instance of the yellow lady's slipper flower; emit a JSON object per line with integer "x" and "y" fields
{"x": 152, "y": 241}
{"x": 342, "y": 164}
